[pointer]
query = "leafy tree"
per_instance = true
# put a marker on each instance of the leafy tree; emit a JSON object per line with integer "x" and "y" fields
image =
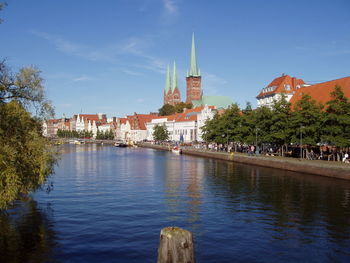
{"x": 336, "y": 121}
{"x": 25, "y": 87}
{"x": 281, "y": 129}
{"x": 179, "y": 108}
{"x": 167, "y": 109}
{"x": 307, "y": 116}
{"x": 263, "y": 121}
{"x": 248, "y": 125}
{"x": 2, "y": 6}
{"x": 26, "y": 158}
{"x": 232, "y": 124}
{"x": 210, "y": 131}
{"x": 160, "y": 133}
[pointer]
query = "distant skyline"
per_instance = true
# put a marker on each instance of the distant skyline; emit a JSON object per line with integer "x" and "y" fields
{"x": 111, "y": 56}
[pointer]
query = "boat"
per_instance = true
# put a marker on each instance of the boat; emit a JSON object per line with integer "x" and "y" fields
{"x": 176, "y": 150}
{"x": 120, "y": 144}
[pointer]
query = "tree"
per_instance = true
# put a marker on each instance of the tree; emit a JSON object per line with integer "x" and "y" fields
{"x": 179, "y": 108}
{"x": 336, "y": 121}
{"x": 306, "y": 119}
{"x": 166, "y": 110}
{"x": 210, "y": 131}
{"x": 248, "y": 125}
{"x": 281, "y": 129}
{"x": 25, "y": 87}
{"x": 2, "y": 6}
{"x": 263, "y": 120}
{"x": 26, "y": 158}
{"x": 160, "y": 133}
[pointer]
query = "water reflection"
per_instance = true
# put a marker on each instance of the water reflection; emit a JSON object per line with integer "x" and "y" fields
{"x": 27, "y": 234}
{"x": 183, "y": 189}
{"x": 110, "y": 204}
{"x": 291, "y": 206}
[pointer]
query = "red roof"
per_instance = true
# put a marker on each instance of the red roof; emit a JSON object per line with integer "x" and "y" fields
{"x": 321, "y": 92}
{"x": 281, "y": 84}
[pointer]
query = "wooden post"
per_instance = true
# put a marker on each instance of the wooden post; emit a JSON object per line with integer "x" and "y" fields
{"x": 176, "y": 246}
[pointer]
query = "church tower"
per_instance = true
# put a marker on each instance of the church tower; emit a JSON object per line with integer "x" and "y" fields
{"x": 175, "y": 88}
{"x": 193, "y": 78}
{"x": 167, "y": 90}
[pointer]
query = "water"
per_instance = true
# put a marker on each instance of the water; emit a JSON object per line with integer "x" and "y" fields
{"x": 109, "y": 205}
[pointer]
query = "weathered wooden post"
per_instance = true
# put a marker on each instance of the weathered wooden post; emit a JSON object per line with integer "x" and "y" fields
{"x": 175, "y": 246}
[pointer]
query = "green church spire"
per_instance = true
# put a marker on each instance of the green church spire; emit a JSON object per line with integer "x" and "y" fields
{"x": 168, "y": 81}
{"x": 174, "y": 79}
{"x": 193, "y": 66}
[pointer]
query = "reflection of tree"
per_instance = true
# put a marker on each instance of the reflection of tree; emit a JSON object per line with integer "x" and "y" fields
{"x": 26, "y": 234}
{"x": 289, "y": 200}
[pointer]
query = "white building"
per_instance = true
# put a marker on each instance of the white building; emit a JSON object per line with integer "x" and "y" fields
{"x": 282, "y": 85}
{"x": 184, "y": 127}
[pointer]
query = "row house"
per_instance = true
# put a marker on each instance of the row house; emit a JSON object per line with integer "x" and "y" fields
{"x": 183, "y": 127}
{"x": 50, "y": 127}
{"x": 89, "y": 122}
{"x": 133, "y": 127}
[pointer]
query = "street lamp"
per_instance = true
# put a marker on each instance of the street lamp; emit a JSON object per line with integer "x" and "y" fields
{"x": 301, "y": 141}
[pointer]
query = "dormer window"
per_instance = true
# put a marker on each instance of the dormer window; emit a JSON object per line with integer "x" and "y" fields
{"x": 287, "y": 87}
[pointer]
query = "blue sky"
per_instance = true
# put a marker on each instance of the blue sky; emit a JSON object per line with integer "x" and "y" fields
{"x": 110, "y": 56}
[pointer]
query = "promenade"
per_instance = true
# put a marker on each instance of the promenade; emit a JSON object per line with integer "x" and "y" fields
{"x": 316, "y": 167}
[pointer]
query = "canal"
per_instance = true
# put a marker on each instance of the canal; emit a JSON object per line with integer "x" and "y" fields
{"x": 109, "y": 204}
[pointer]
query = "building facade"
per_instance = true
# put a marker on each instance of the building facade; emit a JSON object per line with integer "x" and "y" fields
{"x": 183, "y": 127}
{"x": 281, "y": 86}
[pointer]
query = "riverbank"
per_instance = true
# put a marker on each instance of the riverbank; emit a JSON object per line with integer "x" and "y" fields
{"x": 322, "y": 168}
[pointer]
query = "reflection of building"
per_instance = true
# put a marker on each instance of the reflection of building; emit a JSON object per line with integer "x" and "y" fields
{"x": 183, "y": 181}
{"x": 184, "y": 126}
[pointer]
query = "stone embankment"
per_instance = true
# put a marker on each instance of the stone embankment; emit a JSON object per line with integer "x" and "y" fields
{"x": 316, "y": 167}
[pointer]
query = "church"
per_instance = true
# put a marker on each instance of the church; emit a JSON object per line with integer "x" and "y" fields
{"x": 194, "y": 93}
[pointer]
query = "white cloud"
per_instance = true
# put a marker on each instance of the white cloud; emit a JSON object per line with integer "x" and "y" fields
{"x": 82, "y": 78}
{"x": 170, "y": 6}
{"x": 112, "y": 53}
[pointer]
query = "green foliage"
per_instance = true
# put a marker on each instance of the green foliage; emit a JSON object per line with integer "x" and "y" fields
{"x": 160, "y": 133}
{"x": 306, "y": 119}
{"x": 179, "y": 108}
{"x": 336, "y": 120}
{"x": 108, "y": 135}
{"x": 74, "y": 134}
{"x": 281, "y": 128}
{"x": 167, "y": 109}
{"x": 25, "y": 87}
{"x": 263, "y": 122}
{"x": 26, "y": 159}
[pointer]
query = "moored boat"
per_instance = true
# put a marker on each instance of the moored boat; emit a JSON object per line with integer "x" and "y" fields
{"x": 176, "y": 150}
